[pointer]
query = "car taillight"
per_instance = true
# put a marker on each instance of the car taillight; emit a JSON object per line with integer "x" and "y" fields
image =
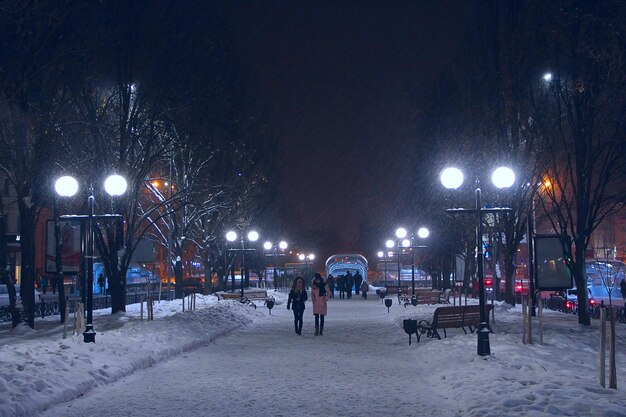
{"x": 569, "y": 304}
{"x": 592, "y": 302}
{"x": 488, "y": 282}
{"x": 518, "y": 288}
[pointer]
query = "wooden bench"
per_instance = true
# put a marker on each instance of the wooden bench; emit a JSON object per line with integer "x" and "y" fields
{"x": 248, "y": 297}
{"x": 428, "y": 297}
{"x": 423, "y": 297}
{"x": 399, "y": 291}
{"x": 451, "y": 317}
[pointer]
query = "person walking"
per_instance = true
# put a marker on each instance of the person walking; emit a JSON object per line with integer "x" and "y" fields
{"x": 319, "y": 296}
{"x": 44, "y": 284}
{"x": 297, "y": 297}
{"x": 364, "y": 289}
{"x": 341, "y": 284}
{"x": 358, "y": 280}
{"x": 622, "y": 287}
{"x": 331, "y": 285}
{"x": 349, "y": 284}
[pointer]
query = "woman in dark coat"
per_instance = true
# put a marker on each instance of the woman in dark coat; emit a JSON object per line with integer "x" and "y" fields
{"x": 297, "y": 297}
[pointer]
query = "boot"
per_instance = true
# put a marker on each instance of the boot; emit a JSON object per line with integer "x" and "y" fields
{"x": 317, "y": 330}
{"x": 321, "y": 330}
{"x": 300, "y": 328}
{"x": 296, "y": 326}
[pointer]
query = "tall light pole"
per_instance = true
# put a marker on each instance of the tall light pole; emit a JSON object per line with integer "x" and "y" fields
{"x": 306, "y": 259}
{"x": 503, "y": 177}
{"x": 252, "y": 236}
{"x": 66, "y": 186}
{"x": 422, "y": 233}
{"x": 268, "y": 246}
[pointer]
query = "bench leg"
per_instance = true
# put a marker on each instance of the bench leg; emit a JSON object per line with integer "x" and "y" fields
{"x": 436, "y": 333}
{"x": 444, "y": 333}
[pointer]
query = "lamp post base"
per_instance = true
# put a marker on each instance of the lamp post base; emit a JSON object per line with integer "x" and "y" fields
{"x": 483, "y": 348}
{"x": 89, "y": 335}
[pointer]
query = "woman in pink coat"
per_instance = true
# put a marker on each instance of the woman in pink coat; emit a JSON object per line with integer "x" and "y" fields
{"x": 320, "y": 293}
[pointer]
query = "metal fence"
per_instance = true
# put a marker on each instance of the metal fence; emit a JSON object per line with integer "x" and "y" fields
{"x": 559, "y": 304}
{"x": 51, "y": 307}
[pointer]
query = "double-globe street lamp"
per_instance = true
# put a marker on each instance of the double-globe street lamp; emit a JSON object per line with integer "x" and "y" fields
{"x": 67, "y": 186}
{"x": 269, "y": 246}
{"x": 385, "y": 256}
{"x": 232, "y": 236}
{"x": 503, "y": 177}
{"x": 306, "y": 259}
{"x": 401, "y": 233}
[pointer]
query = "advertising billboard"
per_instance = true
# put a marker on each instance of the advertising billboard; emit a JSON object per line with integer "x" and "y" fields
{"x": 551, "y": 271}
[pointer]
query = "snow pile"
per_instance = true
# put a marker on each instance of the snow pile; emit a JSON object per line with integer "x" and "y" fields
{"x": 39, "y": 368}
{"x": 363, "y": 365}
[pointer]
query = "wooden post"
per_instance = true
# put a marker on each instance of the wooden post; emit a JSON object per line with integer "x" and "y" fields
{"x": 67, "y": 313}
{"x": 540, "y": 309}
{"x": 523, "y": 320}
{"x": 141, "y": 314}
{"x": 529, "y": 317}
{"x": 612, "y": 370}
{"x": 602, "y": 346}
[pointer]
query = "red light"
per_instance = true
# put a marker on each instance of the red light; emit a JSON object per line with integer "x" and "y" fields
{"x": 592, "y": 301}
{"x": 518, "y": 288}
{"x": 568, "y": 304}
{"x": 488, "y": 282}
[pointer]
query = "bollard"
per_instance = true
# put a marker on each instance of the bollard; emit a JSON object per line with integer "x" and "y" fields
{"x": 388, "y": 303}
{"x": 270, "y": 304}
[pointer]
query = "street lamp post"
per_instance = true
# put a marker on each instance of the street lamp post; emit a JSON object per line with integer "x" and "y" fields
{"x": 282, "y": 245}
{"x": 306, "y": 259}
{"x": 66, "y": 186}
{"x": 502, "y": 177}
{"x": 422, "y": 233}
{"x": 231, "y": 236}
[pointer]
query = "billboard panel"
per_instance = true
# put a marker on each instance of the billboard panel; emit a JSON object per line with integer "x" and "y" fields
{"x": 551, "y": 271}
{"x": 70, "y": 246}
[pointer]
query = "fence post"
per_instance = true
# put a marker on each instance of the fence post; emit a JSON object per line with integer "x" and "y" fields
{"x": 529, "y": 317}
{"x": 602, "y": 346}
{"x": 612, "y": 370}
{"x": 523, "y": 320}
{"x": 540, "y": 308}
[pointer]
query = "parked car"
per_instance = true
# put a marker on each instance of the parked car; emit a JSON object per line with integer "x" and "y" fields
{"x": 571, "y": 299}
{"x": 4, "y": 296}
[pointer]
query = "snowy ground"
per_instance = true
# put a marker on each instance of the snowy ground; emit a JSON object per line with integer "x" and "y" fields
{"x": 226, "y": 359}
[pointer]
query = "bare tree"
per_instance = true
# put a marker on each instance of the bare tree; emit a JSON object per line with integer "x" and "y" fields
{"x": 32, "y": 75}
{"x": 580, "y": 113}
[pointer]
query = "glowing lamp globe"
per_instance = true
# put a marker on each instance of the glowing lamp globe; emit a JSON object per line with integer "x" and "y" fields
{"x": 115, "y": 185}
{"x": 503, "y": 177}
{"x": 66, "y": 186}
{"x": 451, "y": 178}
{"x": 253, "y": 236}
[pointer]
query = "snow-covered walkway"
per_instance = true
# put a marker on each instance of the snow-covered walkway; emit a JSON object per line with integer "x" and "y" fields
{"x": 358, "y": 368}
{"x": 226, "y": 359}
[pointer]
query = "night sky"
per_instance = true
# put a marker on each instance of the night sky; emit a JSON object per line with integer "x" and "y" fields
{"x": 341, "y": 84}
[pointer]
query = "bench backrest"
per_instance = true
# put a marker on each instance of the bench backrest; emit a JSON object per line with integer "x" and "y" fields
{"x": 458, "y": 316}
{"x": 449, "y": 316}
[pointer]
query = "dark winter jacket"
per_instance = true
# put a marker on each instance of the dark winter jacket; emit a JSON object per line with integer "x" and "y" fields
{"x": 296, "y": 300}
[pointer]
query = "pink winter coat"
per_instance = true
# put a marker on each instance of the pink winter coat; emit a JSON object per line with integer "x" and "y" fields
{"x": 319, "y": 302}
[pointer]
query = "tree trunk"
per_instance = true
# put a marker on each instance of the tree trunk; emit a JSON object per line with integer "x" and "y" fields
{"x": 580, "y": 278}
{"x": 178, "y": 276}
{"x": 27, "y": 247}
{"x": 509, "y": 276}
